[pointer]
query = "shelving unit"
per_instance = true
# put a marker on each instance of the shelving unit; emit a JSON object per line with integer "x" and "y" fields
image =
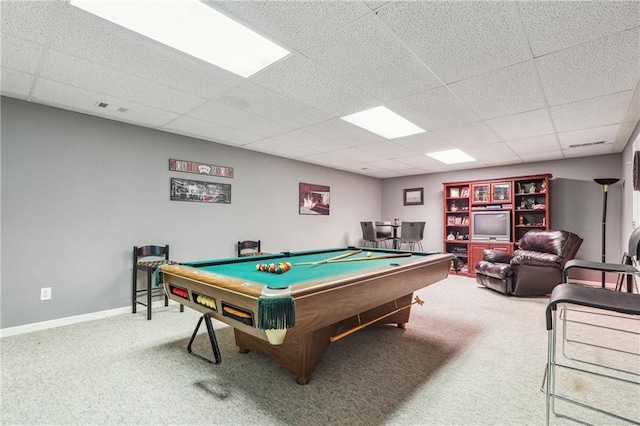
{"x": 524, "y": 198}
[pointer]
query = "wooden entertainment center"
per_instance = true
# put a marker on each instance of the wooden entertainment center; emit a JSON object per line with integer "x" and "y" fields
{"x": 492, "y": 213}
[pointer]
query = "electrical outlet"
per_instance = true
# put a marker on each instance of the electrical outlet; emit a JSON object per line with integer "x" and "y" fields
{"x": 45, "y": 293}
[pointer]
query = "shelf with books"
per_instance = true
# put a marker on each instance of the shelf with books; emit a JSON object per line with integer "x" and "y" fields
{"x": 524, "y": 199}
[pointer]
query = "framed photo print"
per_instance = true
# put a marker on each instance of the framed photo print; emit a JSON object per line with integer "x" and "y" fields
{"x": 414, "y": 197}
{"x": 200, "y": 192}
{"x": 314, "y": 199}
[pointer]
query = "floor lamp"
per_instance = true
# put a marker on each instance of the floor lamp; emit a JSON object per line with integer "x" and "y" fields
{"x": 605, "y": 187}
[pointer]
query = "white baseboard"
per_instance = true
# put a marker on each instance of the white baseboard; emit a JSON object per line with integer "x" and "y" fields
{"x": 28, "y": 328}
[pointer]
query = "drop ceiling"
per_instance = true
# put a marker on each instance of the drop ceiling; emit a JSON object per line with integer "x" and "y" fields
{"x": 506, "y": 82}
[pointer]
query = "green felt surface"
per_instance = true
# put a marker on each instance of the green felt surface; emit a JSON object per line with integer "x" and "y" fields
{"x": 245, "y": 269}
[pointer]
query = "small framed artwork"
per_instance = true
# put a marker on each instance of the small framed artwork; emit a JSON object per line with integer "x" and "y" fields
{"x": 465, "y": 193}
{"x": 454, "y": 193}
{"x": 414, "y": 197}
{"x": 458, "y": 220}
{"x": 465, "y": 221}
{"x": 314, "y": 199}
{"x": 451, "y": 220}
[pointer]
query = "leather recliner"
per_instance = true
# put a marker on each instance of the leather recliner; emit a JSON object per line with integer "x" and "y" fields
{"x": 532, "y": 270}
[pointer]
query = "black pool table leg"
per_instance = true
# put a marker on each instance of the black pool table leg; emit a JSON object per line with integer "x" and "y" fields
{"x": 212, "y": 339}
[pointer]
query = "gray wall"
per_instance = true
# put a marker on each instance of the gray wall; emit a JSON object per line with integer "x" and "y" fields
{"x": 78, "y": 192}
{"x": 576, "y": 200}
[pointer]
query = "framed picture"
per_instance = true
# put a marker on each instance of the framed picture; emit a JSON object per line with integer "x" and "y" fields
{"x": 314, "y": 199}
{"x": 200, "y": 168}
{"x": 414, "y": 197}
{"x": 200, "y": 192}
{"x": 454, "y": 193}
{"x": 465, "y": 193}
{"x": 458, "y": 220}
{"x": 451, "y": 220}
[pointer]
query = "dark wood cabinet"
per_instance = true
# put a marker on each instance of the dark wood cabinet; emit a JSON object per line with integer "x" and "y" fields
{"x": 492, "y": 213}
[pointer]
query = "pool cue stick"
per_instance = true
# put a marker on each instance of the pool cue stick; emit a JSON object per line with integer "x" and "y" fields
{"x": 351, "y": 253}
{"x": 387, "y": 256}
{"x": 366, "y": 324}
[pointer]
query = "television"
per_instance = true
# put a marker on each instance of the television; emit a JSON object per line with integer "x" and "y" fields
{"x": 491, "y": 225}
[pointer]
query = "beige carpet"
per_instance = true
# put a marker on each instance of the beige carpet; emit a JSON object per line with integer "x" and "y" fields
{"x": 469, "y": 356}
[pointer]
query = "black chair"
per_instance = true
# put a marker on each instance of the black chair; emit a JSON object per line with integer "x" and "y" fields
{"x": 369, "y": 235}
{"x": 147, "y": 259}
{"x": 625, "y": 269}
{"x": 412, "y": 233}
{"x": 249, "y": 248}
{"x": 581, "y": 362}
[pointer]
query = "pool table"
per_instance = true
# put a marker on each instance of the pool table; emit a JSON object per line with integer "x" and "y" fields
{"x": 319, "y": 299}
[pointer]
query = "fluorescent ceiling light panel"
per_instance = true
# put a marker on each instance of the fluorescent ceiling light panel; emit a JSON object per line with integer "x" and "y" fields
{"x": 452, "y": 156}
{"x": 383, "y": 122}
{"x": 193, "y": 28}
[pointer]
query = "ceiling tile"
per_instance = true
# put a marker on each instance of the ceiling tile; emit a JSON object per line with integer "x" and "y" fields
{"x": 389, "y": 164}
{"x": 295, "y": 25}
{"x": 491, "y": 152}
{"x": 458, "y": 40}
{"x": 211, "y": 131}
{"x": 20, "y": 55}
{"x": 29, "y": 20}
{"x": 556, "y": 25}
{"x": 308, "y": 83}
{"x": 424, "y": 143}
{"x": 305, "y": 139}
{"x": 588, "y": 136}
{"x": 344, "y": 132}
{"x": 434, "y": 109}
{"x": 15, "y": 84}
{"x": 520, "y": 126}
{"x": 607, "y": 65}
{"x": 542, "y": 156}
{"x": 477, "y": 133}
{"x": 506, "y": 91}
{"x": 255, "y": 99}
{"x": 587, "y": 151}
{"x": 388, "y": 149}
{"x": 282, "y": 149}
{"x": 90, "y": 76}
{"x": 76, "y": 99}
{"x": 534, "y": 145}
{"x": 371, "y": 57}
{"x": 357, "y": 154}
{"x": 215, "y": 112}
{"x": 609, "y": 109}
{"x": 328, "y": 159}
{"x": 623, "y": 136}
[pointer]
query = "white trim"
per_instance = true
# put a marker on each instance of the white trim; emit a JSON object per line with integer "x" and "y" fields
{"x": 44, "y": 325}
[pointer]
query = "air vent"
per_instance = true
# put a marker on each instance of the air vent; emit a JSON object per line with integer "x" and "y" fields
{"x": 103, "y": 105}
{"x": 586, "y": 144}
{"x": 123, "y": 109}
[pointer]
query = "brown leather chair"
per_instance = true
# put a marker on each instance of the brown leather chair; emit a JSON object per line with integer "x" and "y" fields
{"x": 532, "y": 270}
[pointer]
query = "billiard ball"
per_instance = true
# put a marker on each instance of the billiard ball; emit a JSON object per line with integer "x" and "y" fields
{"x": 368, "y": 254}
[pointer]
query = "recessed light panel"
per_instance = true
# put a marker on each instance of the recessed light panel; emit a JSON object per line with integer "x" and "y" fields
{"x": 452, "y": 156}
{"x": 193, "y": 28}
{"x": 383, "y": 122}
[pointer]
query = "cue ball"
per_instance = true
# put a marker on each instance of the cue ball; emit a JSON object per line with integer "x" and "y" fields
{"x": 368, "y": 254}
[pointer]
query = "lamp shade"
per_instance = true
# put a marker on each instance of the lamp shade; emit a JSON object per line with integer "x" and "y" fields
{"x": 606, "y": 181}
